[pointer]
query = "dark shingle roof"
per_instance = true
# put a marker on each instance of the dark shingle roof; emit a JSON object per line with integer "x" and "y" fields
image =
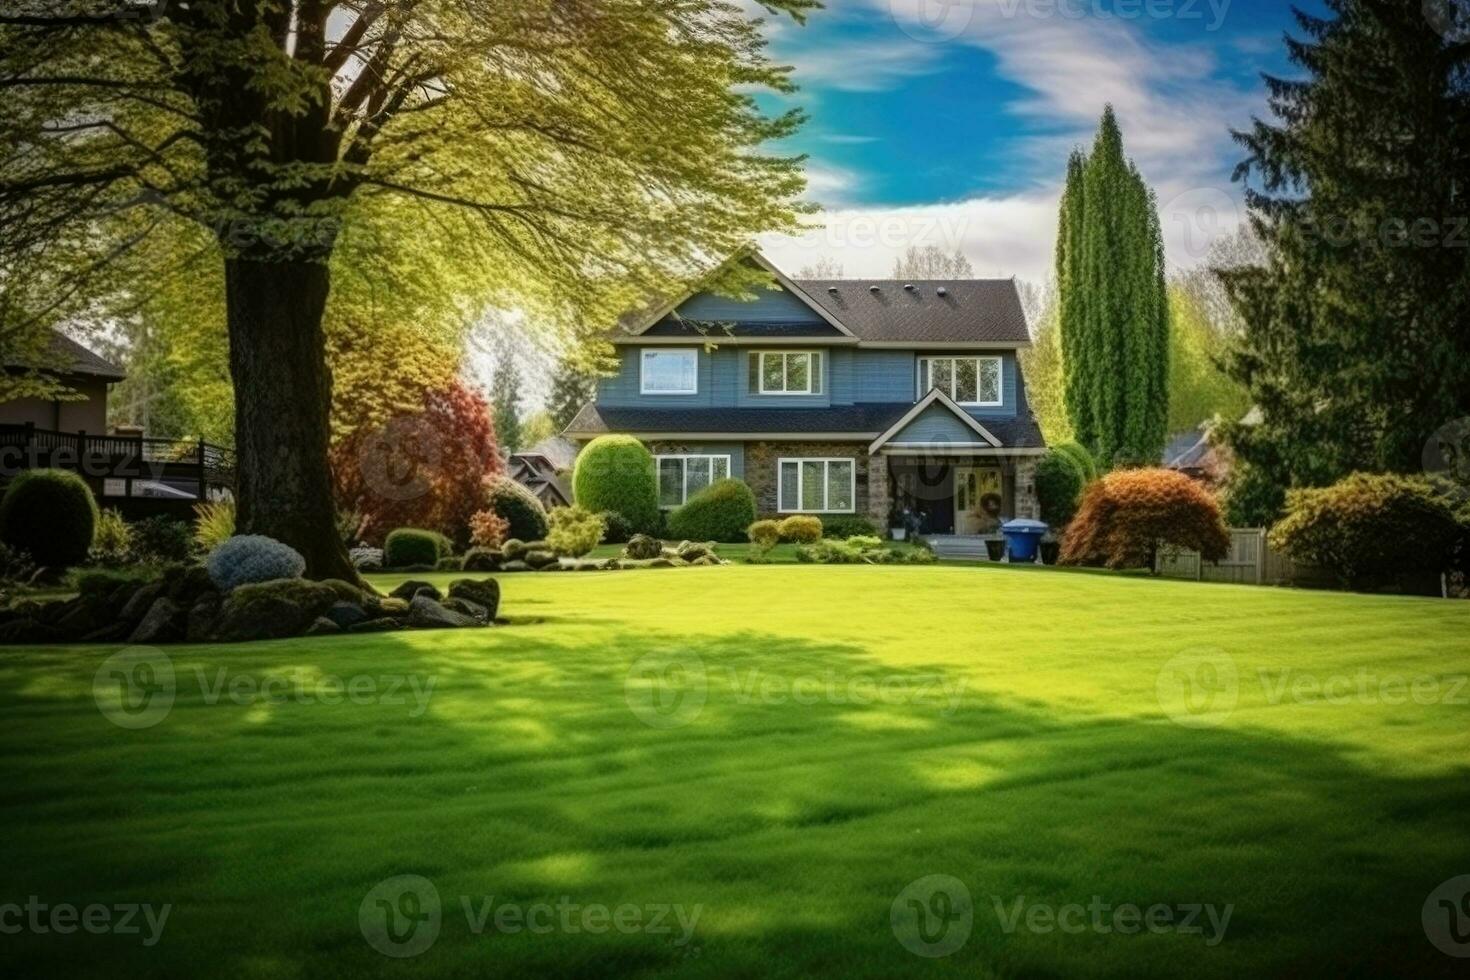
{"x": 866, "y": 420}
{"x": 69, "y": 357}
{"x": 971, "y": 310}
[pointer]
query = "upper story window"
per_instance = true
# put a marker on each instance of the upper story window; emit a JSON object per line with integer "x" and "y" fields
{"x": 968, "y": 380}
{"x": 669, "y": 372}
{"x": 796, "y": 372}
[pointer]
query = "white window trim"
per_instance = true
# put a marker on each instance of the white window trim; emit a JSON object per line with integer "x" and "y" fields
{"x": 1000, "y": 369}
{"x": 760, "y": 371}
{"x": 658, "y": 460}
{"x": 800, "y": 476}
{"x": 643, "y": 388}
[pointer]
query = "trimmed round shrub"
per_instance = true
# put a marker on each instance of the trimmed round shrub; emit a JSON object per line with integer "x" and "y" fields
{"x": 764, "y": 534}
{"x": 1370, "y": 531}
{"x": 519, "y": 506}
{"x": 616, "y": 528}
{"x": 1126, "y": 515}
{"x": 721, "y": 511}
{"x": 249, "y": 558}
{"x": 847, "y": 526}
{"x": 574, "y": 531}
{"x": 616, "y": 473}
{"x": 50, "y": 514}
{"x": 1059, "y": 483}
{"x": 1084, "y": 462}
{"x": 412, "y": 546}
{"x": 643, "y": 546}
{"x": 801, "y": 528}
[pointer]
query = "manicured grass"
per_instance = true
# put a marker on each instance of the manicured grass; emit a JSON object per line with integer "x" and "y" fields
{"x": 781, "y": 554}
{"x": 861, "y": 728}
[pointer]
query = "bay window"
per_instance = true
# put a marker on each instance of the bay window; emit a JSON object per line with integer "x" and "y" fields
{"x": 817, "y": 486}
{"x": 968, "y": 380}
{"x": 669, "y": 372}
{"x": 797, "y": 372}
{"x": 681, "y": 477}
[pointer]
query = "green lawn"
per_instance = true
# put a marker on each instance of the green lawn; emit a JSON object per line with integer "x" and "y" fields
{"x": 792, "y": 749}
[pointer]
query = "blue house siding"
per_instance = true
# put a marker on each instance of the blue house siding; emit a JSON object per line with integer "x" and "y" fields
{"x": 936, "y": 424}
{"x": 769, "y": 306}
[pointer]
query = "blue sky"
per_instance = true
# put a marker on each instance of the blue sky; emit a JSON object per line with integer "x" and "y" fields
{"x": 949, "y": 122}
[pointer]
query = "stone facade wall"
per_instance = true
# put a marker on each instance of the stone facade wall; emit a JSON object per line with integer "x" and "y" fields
{"x": 761, "y": 470}
{"x": 1026, "y": 504}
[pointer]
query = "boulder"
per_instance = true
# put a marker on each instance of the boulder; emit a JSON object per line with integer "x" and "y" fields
{"x": 381, "y": 624}
{"x": 660, "y": 563}
{"x": 140, "y": 602}
{"x": 27, "y": 630}
{"x": 80, "y": 616}
{"x": 270, "y": 610}
{"x": 111, "y": 633}
{"x": 513, "y": 550}
{"x": 515, "y": 566}
{"x": 691, "y": 551}
{"x": 392, "y": 606}
{"x": 412, "y": 588}
{"x": 427, "y": 613}
{"x": 642, "y": 546}
{"x": 344, "y": 614}
{"x": 540, "y": 559}
{"x": 322, "y": 626}
{"x": 186, "y": 583}
{"x": 162, "y": 623}
{"x": 465, "y": 607}
{"x": 203, "y": 615}
{"x": 484, "y": 593}
{"x": 482, "y": 560}
{"x": 706, "y": 560}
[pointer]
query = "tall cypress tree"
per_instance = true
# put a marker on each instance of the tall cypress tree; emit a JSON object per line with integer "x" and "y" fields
{"x": 1114, "y": 304}
{"x": 1356, "y": 328}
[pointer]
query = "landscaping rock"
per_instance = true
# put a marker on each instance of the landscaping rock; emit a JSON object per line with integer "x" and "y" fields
{"x": 412, "y": 588}
{"x": 162, "y": 623}
{"x": 111, "y": 633}
{"x": 141, "y": 601}
{"x": 515, "y": 566}
{"x": 203, "y": 615}
{"x": 271, "y": 610}
{"x": 393, "y": 606}
{"x": 382, "y": 624}
{"x": 539, "y": 559}
{"x": 484, "y": 593}
{"x": 513, "y": 550}
{"x": 465, "y": 607}
{"x": 79, "y": 616}
{"x": 660, "y": 563}
{"x": 186, "y": 583}
{"x": 366, "y": 559}
{"x": 482, "y": 560}
{"x": 642, "y": 546}
{"x": 322, "y": 626}
{"x": 28, "y": 630}
{"x": 345, "y": 614}
{"x": 706, "y": 560}
{"x": 426, "y": 613}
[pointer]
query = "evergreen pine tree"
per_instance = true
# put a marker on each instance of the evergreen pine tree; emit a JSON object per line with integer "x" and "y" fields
{"x": 505, "y": 397}
{"x": 571, "y": 388}
{"x": 1354, "y": 341}
{"x": 1114, "y": 304}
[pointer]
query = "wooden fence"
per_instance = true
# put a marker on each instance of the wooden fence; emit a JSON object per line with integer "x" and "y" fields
{"x": 1250, "y": 561}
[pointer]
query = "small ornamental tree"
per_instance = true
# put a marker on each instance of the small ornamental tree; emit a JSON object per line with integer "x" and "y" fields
{"x": 423, "y": 470}
{"x": 1370, "y": 530}
{"x": 1127, "y": 515}
{"x": 616, "y": 473}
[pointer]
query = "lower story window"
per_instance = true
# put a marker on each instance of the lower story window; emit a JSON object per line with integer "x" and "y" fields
{"x": 819, "y": 486}
{"x": 681, "y": 477}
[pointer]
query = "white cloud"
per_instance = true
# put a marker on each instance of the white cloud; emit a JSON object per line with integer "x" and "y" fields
{"x": 863, "y": 66}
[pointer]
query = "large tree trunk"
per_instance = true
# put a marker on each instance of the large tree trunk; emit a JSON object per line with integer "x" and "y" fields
{"x": 283, "y": 394}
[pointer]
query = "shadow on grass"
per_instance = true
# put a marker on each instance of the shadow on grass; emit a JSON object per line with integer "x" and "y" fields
{"x": 788, "y": 789}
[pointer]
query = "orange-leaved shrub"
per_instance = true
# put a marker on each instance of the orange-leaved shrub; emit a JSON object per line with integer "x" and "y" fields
{"x": 1125, "y": 516}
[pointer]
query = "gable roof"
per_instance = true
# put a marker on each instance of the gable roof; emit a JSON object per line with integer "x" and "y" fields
{"x": 71, "y": 357}
{"x": 963, "y": 311}
{"x": 935, "y": 397}
{"x": 642, "y": 324}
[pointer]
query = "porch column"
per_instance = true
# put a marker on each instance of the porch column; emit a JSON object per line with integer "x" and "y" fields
{"x": 1026, "y": 504}
{"x": 880, "y": 491}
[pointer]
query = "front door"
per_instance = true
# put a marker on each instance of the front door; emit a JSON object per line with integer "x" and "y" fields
{"x": 977, "y": 499}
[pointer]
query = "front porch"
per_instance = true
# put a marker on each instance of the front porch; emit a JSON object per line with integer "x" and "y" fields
{"x": 965, "y": 496}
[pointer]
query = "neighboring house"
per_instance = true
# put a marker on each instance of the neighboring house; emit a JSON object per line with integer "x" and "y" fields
{"x": 835, "y": 397}
{"x": 1192, "y": 454}
{"x": 539, "y": 470}
{"x": 83, "y": 372}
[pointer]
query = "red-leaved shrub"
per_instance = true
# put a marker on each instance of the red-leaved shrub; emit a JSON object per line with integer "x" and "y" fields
{"x": 1125, "y": 516}
{"x": 427, "y": 469}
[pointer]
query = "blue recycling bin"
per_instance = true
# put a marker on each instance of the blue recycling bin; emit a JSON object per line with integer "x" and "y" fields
{"x": 1022, "y": 538}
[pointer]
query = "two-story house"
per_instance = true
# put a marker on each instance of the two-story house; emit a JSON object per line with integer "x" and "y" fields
{"x": 835, "y": 397}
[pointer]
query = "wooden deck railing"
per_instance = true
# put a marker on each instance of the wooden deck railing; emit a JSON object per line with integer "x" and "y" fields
{"x": 129, "y": 458}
